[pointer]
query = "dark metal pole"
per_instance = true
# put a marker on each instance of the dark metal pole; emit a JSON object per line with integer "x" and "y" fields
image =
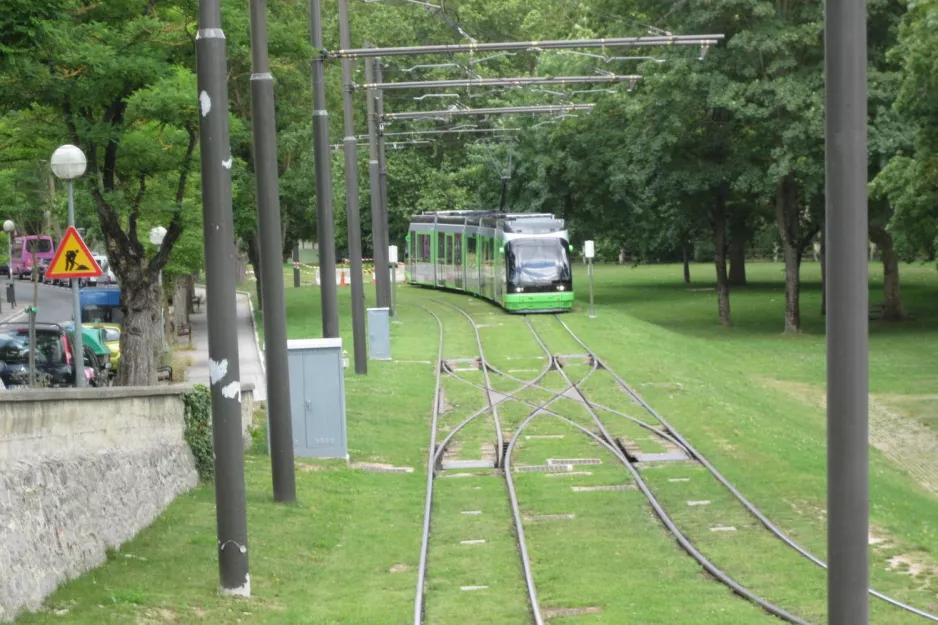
{"x": 352, "y": 216}
{"x": 555, "y": 44}
{"x": 271, "y": 253}
{"x": 33, "y": 311}
{"x": 847, "y": 313}
{"x": 296, "y": 265}
{"x": 79, "y": 355}
{"x": 374, "y": 178}
{"x": 383, "y": 182}
{"x": 325, "y": 225}
{"x": 218, "y": 234}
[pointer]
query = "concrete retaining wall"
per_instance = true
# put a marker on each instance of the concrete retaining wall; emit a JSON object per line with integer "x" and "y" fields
{"x": 81, "y": 471}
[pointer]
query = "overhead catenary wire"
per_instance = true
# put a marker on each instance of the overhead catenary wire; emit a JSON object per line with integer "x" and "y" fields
{"x": 532, "y": 46}
{"x": 502, "y": 82}
{"x": 543, "y": 109}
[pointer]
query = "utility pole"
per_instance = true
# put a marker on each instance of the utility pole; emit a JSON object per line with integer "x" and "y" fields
{"x": 325, "y": 226}
{"x": 352, "y": 215}
{"x": 382, "y": 179}
{"x": 225, "y": 374}
{"x": 374, "y": 177}
{"x": 847, "y": 312}
{"x": 264, "y": 125}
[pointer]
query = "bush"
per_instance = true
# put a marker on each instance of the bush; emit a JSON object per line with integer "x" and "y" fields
{"x": 198, "y": 432}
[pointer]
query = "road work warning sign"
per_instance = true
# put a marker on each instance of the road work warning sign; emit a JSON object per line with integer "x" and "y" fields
{"x": 73, "y": 259}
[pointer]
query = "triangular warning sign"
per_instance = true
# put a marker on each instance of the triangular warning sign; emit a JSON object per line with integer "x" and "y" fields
{"x": 73, "y": 259}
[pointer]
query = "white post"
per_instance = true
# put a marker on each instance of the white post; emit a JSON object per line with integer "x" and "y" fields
{"x": 392, "y": 260}
{"x": 589, "y": 251}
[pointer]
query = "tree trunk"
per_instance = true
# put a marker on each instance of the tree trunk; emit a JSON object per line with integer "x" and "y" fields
{"x": 787, "y": 220}
{"x": 190, "y": 295}
{"x": 140, "y": 335}
{"x": 892, "y": 297}
{"x": 719, "y": 258}
{"x": 180, "y": 304}
{"x": 822, "y": 258}
{"x": 792, "y": 288}
{"x": 685, "y": 248}
{"x": 737, "y": 260}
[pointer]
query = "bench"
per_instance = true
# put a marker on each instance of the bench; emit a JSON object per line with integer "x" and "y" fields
{"x": 164, "y": 374}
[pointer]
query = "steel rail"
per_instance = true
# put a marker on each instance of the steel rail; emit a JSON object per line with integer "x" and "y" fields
{"x": 644, "y": 424}
{"x": 425, "y": 539}
{"x": 666, "y": 519}
{"x": 736, "y": 493}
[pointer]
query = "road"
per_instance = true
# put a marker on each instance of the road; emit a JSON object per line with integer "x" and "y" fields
{"x": 55, "y": 302}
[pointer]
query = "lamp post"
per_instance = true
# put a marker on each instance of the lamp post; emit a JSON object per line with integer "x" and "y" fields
{"x": 589, "y": 250}
{"x": 68, "y": 162}
{"x": 156, "y": 238}
{"x": 9, "y": 227}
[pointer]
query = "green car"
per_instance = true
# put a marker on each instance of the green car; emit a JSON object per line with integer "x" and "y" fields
{"x": 93, "y": 338}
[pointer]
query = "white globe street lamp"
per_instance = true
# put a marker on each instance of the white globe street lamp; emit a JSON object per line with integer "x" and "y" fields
{"x": 9, "y": 227}
{"x": 68, "y": 162}
{"x": 157, "y": 235}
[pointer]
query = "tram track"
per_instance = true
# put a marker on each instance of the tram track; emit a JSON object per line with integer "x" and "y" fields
{"x": 670, "y": 433}
{"x": 573, "y": 390}
{"x": 604, "y": 439}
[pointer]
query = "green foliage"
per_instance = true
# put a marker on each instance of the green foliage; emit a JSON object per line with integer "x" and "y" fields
{"x": 198, "y": 430}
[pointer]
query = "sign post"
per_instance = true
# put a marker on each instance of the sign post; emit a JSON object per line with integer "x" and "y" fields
{"x": 73, "y": 260}
{"x": 589, "y": 251}
{"x": 392, "y": 260}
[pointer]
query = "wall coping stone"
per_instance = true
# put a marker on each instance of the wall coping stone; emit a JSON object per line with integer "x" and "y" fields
{"x": 109, "y": 392}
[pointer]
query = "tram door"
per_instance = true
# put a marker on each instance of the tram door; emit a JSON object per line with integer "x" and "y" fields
{"x": 458, "y": 268}
{"x": 448, "y": 268}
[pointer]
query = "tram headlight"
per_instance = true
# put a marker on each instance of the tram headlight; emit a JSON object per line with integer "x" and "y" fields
{"x": 519, "y": 289}
{"x": 560, "y": 287}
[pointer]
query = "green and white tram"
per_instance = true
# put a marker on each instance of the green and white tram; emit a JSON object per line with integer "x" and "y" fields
{"x": 520, "y": 261}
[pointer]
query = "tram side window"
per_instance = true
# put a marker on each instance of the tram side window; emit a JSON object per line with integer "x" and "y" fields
{"x": 422, "y": 251}
{"x": 441, "y": 248}
{"x": 457, "y": 249}
{"x": 471, "y": 250}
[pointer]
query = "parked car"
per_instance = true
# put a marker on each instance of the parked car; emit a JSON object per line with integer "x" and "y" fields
{"x": 54, "y": 349}
{"x": 95, "y": 339}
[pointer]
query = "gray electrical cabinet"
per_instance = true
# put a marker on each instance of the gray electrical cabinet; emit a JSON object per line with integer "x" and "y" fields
{"x": 379, "y": 334}
{"x": 317, "y": 402}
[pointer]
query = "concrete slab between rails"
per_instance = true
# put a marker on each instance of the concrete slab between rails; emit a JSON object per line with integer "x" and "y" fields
{"x": 572, "y": 393}
{"x": 496, "y": 398}
{"x": 468, "y": 464}
{"x": 574, "y": 461}
{"x": 671, "y": 456}
{"x": 610, "y": 487}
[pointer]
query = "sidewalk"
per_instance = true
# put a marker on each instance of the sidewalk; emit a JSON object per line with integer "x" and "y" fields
{"x": 248, "y": 356}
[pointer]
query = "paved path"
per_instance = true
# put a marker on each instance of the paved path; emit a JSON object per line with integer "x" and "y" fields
{"x": 248, "y": 356}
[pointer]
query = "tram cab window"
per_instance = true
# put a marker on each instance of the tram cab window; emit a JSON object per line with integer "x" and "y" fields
{"x": 537, "y": 261}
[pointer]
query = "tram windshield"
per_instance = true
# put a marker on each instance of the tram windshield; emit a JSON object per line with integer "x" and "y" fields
{"x": 537, "y": 262}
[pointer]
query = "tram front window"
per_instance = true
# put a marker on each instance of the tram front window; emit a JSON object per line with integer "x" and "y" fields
{"x": 537, "y": 264}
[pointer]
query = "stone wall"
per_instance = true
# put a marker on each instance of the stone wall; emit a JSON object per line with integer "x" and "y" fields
{"x": 82, "y": 471}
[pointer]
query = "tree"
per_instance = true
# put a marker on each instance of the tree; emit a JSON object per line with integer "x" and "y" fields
{"x": 116, "y": 78}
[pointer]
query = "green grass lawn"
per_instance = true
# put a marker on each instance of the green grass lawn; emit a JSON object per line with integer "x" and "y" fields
{"x": 747, "y": 396}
